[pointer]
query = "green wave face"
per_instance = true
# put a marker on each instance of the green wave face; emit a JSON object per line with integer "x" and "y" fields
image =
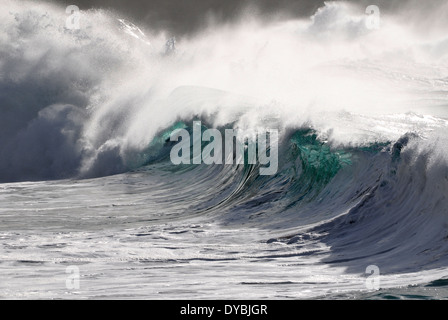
{"x": 310, "y": 163}
{"x": 319, "y": 163}
{"x": 157, "y": 150}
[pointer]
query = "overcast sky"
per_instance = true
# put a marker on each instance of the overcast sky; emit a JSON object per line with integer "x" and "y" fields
{"x": 186, "y": 16}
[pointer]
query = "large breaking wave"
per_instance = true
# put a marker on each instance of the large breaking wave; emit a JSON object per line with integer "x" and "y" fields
{"x": 361, "y": 115}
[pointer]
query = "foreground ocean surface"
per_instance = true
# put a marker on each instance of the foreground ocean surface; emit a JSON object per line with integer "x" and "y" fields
{"x": 92, "y": 207}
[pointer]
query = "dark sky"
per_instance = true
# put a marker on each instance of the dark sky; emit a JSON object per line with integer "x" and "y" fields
{"x": 186, "y": 16}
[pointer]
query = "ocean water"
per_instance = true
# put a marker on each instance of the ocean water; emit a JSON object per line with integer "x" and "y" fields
{"x": 92, "y": 207}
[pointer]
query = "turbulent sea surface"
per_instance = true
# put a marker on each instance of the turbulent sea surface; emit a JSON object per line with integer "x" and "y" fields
{"x": 87, "y": 181}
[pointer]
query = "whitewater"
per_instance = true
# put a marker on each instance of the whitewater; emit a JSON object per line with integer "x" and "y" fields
{"x": 87, "y": 187}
